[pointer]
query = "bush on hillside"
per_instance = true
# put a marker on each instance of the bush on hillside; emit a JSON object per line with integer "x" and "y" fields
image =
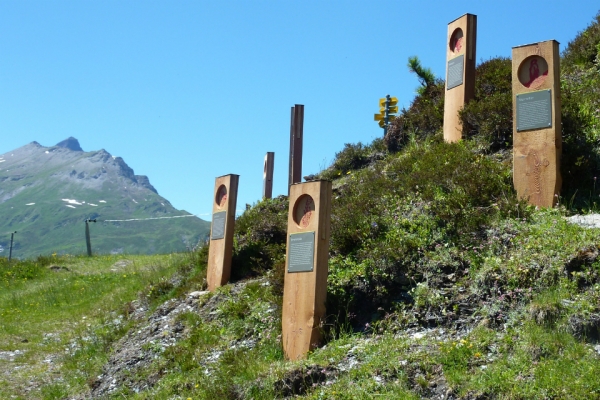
{"x": 260, "y": 238}
{"x": 488, "y": 117}
{"x": 580, "y": 96}
{"x": 582, "y": 51}
{"x": 422, "y": 119}
{"x": 354, "y": 157}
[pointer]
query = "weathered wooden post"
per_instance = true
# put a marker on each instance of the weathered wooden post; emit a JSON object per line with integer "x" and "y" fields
{"x": 12, "y": 235}
{"x": 268, "y": 175}
{"x": 221, "y": 231}
{"x": 305, "y": 286}
{"x": 88, "y": 241}
{"x": 537, "y": 141}
{"x": 296, "y": 137}
{"x": 460, "y": 72}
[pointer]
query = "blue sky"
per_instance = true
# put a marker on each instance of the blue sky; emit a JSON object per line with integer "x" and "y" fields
{"x": 186, "y": 91}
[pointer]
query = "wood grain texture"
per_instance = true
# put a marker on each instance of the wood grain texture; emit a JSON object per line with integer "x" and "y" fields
{"x": 456, "y": 97}
{"x": 221, "y": 250}
{"x": 268, "y": 175}
{"x": 304, "y": 293}
{"x": 537, "y": 152}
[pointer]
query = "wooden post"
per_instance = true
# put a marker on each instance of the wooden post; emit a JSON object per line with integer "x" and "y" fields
{"x": 88, "y": 242}
{"x": 305, "y": 286}
{"x": 268, "y": 175}
{"x": 537, "y": 140}
{"x": 460, "y": 72}
{"x": 221, "y": 231}
{"x": 296, "y": 137}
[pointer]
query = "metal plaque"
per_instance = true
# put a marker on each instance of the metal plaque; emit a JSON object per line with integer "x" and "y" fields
{"x": 455, "y": 70}
{"x": 218, "y": 225}
{"x": 534, "y": 110}
{"x": 301, "y": 252}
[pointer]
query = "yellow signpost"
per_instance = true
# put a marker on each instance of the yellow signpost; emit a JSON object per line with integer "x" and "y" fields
{"x": 387, "y": 106}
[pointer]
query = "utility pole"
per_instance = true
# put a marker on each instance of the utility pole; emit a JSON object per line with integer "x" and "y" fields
{"x": 12, "y": 235}
{"x": 88, "y": 242}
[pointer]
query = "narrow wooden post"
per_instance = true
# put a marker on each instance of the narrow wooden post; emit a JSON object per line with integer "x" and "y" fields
{"x": 12, "y": 235}
{"x": 221, "y": 231}
{"x": 537, "y": 140}
{"x": 460, "y": 72}
{"x": 268, "y": 175}
{"x": 305, "y": 286}
{"x": 88, "y": 241}
{"x": 296, "y": 137}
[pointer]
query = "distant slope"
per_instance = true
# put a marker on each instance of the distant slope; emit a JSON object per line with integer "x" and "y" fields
{"x": 46, "y": 193}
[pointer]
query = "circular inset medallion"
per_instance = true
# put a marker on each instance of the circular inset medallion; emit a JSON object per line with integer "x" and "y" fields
{"x": 221, "y": 197}
{"x": 456, "y": 41}
{"x": 303, "y": 210}
{"x": 533, "y": 71}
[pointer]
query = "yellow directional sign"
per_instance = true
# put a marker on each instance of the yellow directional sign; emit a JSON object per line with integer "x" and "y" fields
{"x": 381, "y": 123}
{"x": 379, "y": 117}
{"x": 391, "y": 110}
{"x": 382, "y": 102}
{"x": 393, "y": 101}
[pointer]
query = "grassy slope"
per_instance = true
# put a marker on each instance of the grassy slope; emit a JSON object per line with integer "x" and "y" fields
{"x": 441, "y": 284}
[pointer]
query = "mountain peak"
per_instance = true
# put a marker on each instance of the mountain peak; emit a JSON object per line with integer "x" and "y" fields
{"x": 71, "y": 143}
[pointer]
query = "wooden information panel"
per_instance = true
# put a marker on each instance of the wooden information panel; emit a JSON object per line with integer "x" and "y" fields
{"x": 460, "y": 72}
{"x": 537, "y": 141}
{"x": 221, "y": 231}
{"x": 268, "y": 175}
{"x": 307, "y": 256}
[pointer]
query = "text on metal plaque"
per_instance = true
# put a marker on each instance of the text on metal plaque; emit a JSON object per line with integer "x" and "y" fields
{"x": 454, "y": 76}
{"x": 534, "y": 110}
{"x": 218, "y": 225}
{"x": 301, "y": 252}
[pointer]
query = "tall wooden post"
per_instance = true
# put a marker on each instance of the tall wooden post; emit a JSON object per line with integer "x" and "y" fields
{"x": 537, "y": 140}
{"x": 305, "y": 286}
{"x": 296, "y": 137}
{"x": 268, "y": 175}
{"x": 460, "y": 72}
{"x": 221, "y": 231}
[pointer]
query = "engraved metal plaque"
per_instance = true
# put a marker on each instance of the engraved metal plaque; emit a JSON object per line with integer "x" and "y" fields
{"x": 455, "y": 70}
{"x": 218, "y": 225}
{"x": 302, "y": 251}
{"x": 534, "y": 110}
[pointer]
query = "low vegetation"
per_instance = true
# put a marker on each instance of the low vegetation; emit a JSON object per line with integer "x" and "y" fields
{"x": 442, "y": 284}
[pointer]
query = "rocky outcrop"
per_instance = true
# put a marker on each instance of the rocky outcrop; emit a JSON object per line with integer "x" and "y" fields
{"x": 70, "y": 143}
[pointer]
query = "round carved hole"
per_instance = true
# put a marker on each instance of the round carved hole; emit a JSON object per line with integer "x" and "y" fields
{"x": 221, "y": 197}
{"x": 456, "y": 41}
{"x": 533, "y": 71}
{"x": 303, "y": 210}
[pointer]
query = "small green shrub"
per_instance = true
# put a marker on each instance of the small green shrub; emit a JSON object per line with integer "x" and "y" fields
{"x": 354, "y": 157}
{"x": 260, "y": 238}
{"x": 424, "y": 117}
{"x": 488, "y": 118}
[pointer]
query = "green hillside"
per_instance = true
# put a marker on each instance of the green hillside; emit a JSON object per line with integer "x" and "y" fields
{"x": 442, "y": 284}
{"x": 47, "y": 193}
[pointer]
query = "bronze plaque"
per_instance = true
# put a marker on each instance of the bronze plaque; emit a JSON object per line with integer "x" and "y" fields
{"x": 456, "y": 67}
{"x": 218, "y": 225}
{"x": 301, "y": 252}
{"x": 534, "y": 110}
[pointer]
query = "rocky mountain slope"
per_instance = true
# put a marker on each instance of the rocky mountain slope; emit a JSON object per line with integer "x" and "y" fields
{"x": 46, "y": 193}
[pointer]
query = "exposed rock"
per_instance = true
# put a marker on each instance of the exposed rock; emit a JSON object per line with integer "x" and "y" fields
{"x": 70, "y": 143}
